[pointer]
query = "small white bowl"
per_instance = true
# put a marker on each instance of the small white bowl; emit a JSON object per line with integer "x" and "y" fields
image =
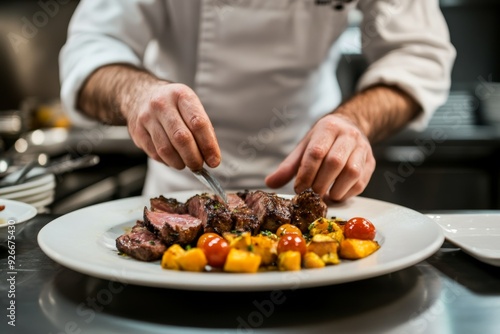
{"x": 14, "y": 214}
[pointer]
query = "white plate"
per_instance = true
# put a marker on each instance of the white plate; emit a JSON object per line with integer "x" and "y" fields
{"x": 46, "y": 179}
{"x": 18, "y": 212}
{"x": 477, "y": 234}
{"x": 20, "y": 195}
{"x": 84, "y": 240}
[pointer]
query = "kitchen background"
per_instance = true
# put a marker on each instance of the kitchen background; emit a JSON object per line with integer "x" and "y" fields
{"x": 454, "y": 164}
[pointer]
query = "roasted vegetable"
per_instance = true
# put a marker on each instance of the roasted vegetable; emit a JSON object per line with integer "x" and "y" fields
{"x": 265, "y": 247}
{"x": 289, "y": 261}
{"x": 357, "y": 249}
{"x": 241, "y": 261}
{"x": 239, "y": 241}
{"x": 312, "y": 260}
{"x": 331, "y": 258}
{"x": 171, "y": 256}
{"x": 322, "y": 244}
{"x": 192, "y": 260}
{"x": 326, "y": 226}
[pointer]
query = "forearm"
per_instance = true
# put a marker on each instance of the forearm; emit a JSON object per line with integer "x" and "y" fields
{"x": 109, "y": 92}
{"x": 379, "y": 111}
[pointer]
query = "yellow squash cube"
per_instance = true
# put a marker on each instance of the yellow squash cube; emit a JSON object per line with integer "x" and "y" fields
{"x": 312, "y": 260}
{"x": 192, "y": 260}
{"x": 289, "y": 261}
{"x": 170, "y": 258}
{"x": 354, "y": 249}
{"x": 240, "y": 261}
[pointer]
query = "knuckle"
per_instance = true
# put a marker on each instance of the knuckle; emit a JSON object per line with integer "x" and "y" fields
{"x": 165, "y": 151}
{"x": 157, "y": 103}
{"x": 198, "y": 123}
{"x": 335, "y": 159}
{"x": 181, "y": 137}
{"x": 316, "y": 152}
{"x": 353, "y": 171}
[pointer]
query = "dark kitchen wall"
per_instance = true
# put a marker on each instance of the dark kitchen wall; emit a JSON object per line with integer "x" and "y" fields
{"x": 31, "y": 35}
{"x": 474, "y": 29}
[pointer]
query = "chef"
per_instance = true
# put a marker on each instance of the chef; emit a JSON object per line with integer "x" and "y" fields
{"x": 248, "y": 87}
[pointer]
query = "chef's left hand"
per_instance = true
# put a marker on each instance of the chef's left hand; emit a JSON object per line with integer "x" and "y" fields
{"x": 335, "y": 158}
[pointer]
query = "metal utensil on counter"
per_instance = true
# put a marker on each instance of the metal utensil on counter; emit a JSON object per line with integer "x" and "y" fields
{"x": 211, "y": 182}
{"x": 63, "y": 165}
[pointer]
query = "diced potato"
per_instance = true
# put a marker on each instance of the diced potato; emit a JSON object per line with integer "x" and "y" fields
{"x": 322, "y": 244}
{"x": 326, "y": 226}
{"x": 331, "y": 258}
{"x": 239, "y": 241}
{"x": 170, "y": 258}
{"x": 312, "y": 260}
{"x": 265, "y": 247}
{"x": 241, "y": 261}
{"x": 192, "y": 260}
{"x": 289, "y": 261}
{"x": 357, "y": 249}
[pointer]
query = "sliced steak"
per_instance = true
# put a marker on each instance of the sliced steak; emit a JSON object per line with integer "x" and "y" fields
{"x": 164, "y": 204}
{"x": 271, "y": 210}
{"x": 243, "y": 218}
{"x": 172, "y": 227}
{"x": 214, "y": 215}
{"x": 141, "y": 244}
{"x": 306, "y": 207}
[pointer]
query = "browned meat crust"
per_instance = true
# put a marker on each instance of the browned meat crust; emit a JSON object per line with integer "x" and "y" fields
{"x": 271, "y": 210}
{"x": 141, "y": 244}
{"x": 214, "y": 215}
{"x": 172, "y": 227}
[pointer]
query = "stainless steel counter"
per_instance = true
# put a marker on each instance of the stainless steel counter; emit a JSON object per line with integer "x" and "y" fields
{"x": 450, "y": 292}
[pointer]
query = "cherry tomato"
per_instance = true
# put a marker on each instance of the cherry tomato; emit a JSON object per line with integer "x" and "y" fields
{"x": 292, "y": 242}
{"x": 215, "y": 248}
{"x": 359, "y": 228}
{"x": 205, "y": 238}
{"x": 288, "y": 229}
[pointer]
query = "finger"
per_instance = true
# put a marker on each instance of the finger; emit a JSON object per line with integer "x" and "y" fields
{"x": 332, "y": 165}
{"x": 178, "y": 134}
{"x": 165, "y": 149}
{"x": 141, "y": 138}
{"x": 350, "y": 175}
{"x": 287, "y": 169}
{"x": 197, "y": 121}
{"x": 317, "y": 149}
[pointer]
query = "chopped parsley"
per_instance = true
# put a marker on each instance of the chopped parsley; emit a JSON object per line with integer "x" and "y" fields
{"x": 267, "y": 233}
{"x": 151, "y": 242}
{"x": 250, "y": 248}
{"x": 188, "y": 247}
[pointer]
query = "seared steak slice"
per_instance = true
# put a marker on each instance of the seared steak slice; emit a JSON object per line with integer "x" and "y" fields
{"x": 141, "y": 244}
{"x": 172, "y": 227}
{"x": 306, "y": 207}
{"x": 164, "y": 204}
{"x": 243, "y": 218}
{"x": 271, "y": 210}
{"x": 214, "y": 215}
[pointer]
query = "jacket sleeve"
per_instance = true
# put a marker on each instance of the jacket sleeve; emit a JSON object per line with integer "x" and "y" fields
{"x": 105, "y": 32}
{"x": 406, "y": 43}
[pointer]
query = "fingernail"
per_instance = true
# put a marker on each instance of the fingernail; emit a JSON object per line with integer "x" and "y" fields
{"x": 213, "y": 161}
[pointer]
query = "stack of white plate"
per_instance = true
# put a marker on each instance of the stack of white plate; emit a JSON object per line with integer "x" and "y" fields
{"x": 39, "y": 192}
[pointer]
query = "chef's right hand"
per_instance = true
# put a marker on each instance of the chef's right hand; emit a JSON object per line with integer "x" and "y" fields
{"x": 169, "y": 123}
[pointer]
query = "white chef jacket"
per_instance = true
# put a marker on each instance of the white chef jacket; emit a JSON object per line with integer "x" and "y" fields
{"x": 264, "y": 70}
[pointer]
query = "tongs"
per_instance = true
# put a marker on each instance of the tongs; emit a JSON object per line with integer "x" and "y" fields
{"x": 211, "y": 182}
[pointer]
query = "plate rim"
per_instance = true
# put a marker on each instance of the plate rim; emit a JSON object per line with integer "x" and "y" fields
{"x": 472, "y": 251}
{"x": 219, "y": 282}
{"x": 29, "y": 210}
{"x": 48, "y": 178}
